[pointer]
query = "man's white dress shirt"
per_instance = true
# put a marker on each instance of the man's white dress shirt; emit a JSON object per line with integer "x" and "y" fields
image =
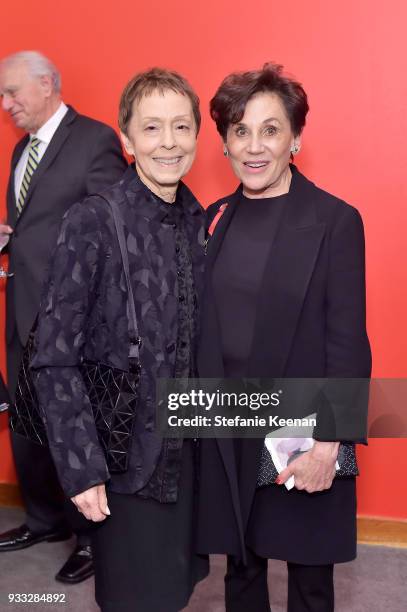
{"x": 44, "y": 134}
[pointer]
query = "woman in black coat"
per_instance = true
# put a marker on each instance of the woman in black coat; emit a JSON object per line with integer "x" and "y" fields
{"x": 284, "y": 297}
{"x": 143, "y": 544}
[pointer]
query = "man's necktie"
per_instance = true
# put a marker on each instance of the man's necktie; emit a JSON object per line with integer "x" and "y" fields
{"x": 32, "y": 163}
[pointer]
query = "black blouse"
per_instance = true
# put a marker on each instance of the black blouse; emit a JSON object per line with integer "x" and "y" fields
{"x": 238, "y": 274}
{"x": 169, "y": 462}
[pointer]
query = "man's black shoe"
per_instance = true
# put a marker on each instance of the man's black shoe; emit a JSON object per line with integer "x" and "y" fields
{"x": 78, "y": 567}
{"x": 23, "y": 537}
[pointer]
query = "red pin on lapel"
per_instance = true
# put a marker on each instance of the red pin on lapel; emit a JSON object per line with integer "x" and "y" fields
{"x": 216, "y": 218}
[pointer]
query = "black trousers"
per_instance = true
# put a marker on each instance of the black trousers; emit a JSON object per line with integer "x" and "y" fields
{"x": 46, "y": 506}
{"x": 310, "y": 587}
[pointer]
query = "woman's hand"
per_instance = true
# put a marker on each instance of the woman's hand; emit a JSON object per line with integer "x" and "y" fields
{"x": 314, "y": 470}
{"x": 93, "y": 503}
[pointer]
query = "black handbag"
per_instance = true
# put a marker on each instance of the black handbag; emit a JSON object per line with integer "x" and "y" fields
{"x": 113, "y": 393}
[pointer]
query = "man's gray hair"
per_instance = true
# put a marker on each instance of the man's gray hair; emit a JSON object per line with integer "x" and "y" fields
{"x": 38, "y": 65}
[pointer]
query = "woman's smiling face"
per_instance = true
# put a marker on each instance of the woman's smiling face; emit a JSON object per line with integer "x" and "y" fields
{"x": 260, "y": 146}
{"x": 162, "y": 138}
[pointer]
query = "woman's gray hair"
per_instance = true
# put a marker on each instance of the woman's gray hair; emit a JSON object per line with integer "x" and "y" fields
{"x": 38, "y": 65}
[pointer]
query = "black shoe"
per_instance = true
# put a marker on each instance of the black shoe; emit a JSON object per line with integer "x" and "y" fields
{"x": 23, "y": 537}
{"x": 78, "y": 567}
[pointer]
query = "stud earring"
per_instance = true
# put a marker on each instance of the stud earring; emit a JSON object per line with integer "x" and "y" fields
{"x": 295, "y": 149}
{"x": 225, "y": 152}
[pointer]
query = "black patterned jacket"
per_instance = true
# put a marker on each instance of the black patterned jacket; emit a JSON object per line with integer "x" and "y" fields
{"x": 83, "y": 315}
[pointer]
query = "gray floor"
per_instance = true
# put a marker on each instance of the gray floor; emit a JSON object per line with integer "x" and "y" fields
{"x": 375, "y": 582}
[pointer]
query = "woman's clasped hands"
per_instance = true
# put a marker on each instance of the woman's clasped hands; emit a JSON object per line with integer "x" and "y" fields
{"x": 314, "y": 470}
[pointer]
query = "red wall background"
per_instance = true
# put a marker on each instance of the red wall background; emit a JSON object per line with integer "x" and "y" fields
{"x": 349, "y": 56}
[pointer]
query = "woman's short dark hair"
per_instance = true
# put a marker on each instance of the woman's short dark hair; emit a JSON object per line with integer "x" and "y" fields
{"x": 155, "y": 79}
{"x": 229, "y": 103}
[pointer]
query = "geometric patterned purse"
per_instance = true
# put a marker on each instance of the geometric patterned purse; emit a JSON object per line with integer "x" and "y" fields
{"x": 113, "y": 393}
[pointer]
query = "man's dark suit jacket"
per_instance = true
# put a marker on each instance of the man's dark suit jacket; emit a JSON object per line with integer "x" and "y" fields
{"x": 310, "y": 323}
{"x": 83, "y": 156}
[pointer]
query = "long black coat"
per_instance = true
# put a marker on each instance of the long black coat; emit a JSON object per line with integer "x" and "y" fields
{"x": 310, "y": 322}
{"x": 83, "y": 157}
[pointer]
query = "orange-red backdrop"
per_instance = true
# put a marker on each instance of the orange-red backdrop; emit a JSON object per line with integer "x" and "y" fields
{"x": 350, "y": 57}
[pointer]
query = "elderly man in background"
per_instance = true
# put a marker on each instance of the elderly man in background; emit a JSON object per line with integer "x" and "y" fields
{"x": 62, "y": 158}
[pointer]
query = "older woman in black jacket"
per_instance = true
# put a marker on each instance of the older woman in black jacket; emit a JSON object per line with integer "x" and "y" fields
{"x": 284, "y": 297}
{"x": 143, "y": 546}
